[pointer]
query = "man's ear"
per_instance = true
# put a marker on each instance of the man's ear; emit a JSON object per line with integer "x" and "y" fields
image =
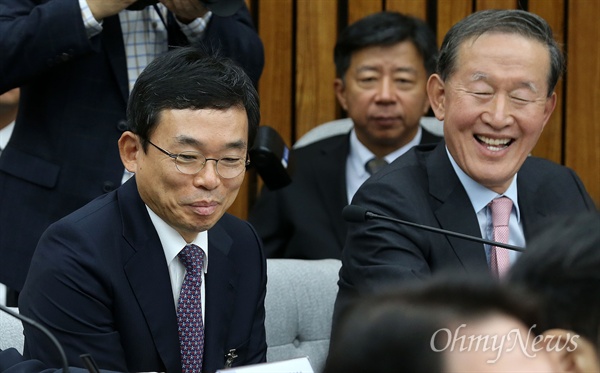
{"x": 426, "y": 107}
{"x": 129, "y": 149}
{"x": 570, "y": 352}
{"x": 436, "y": 90}
{"x": 549, "y": 107}
{"x": 340, "y": 88}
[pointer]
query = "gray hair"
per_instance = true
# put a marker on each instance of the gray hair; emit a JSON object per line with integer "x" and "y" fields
{"x": 517, "y": 22}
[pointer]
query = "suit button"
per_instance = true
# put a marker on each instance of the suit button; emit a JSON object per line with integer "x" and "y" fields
{"x": 122, "y": 125}
{"x": 65, "y": 57}
{"x": 108, "y": 186}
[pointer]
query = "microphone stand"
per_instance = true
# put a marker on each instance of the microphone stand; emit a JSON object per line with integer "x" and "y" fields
{"x": 372, "y": 215}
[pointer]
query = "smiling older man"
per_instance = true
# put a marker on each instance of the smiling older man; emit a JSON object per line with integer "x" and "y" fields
{"x": 494, "y": 90}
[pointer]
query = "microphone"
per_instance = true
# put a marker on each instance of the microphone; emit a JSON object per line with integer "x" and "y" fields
{"x": 61, "y": 352}
{"x": 357, "y": 214}
{"x": 271, "y": 157}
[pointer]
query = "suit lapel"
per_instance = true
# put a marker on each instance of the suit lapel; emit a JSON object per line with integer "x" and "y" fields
{"x": 455, "y": 212}
{"x": 112, "y": 41}
{"x": 220, "y": 296}
{"x": 530, "y": 210}
{"x": 148, "y": 276}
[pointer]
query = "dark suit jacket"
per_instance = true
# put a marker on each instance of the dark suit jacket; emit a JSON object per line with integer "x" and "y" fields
{"x": 422, "y": 187}
{"x": 11, "y": 361}
{"x": 304, "y": 219}
{"x": 100, "y": 283}
{"x": 63, "y": 150}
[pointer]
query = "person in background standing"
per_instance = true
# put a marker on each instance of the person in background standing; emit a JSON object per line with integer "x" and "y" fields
{"x": 76, "y": 61}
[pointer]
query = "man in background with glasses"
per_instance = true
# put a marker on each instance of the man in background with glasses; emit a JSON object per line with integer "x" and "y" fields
{"x": 127, "y": 278}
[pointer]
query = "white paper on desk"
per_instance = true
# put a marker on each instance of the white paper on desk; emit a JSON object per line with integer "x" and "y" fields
{"x": 297, "y": 365}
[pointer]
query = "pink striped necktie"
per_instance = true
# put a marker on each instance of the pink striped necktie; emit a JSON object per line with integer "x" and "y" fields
{"x": 501, "y": 208}
{"x": 189, "y": 310}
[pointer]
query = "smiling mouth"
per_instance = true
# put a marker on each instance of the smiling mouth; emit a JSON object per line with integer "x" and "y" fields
{"x": 494, "y": 145}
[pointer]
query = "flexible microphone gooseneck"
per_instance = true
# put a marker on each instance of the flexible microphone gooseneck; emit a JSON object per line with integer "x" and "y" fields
{"x": 357, "y": 214}
{"x": 38, "y": 326}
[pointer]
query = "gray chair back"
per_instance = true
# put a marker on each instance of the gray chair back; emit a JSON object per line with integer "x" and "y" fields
{"x": 299, "y": 308}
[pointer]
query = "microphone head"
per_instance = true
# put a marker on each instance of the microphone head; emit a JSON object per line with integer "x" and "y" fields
{"x": 354, "y": 214}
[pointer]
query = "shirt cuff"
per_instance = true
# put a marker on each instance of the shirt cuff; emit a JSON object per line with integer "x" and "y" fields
{"x": 194, "y": 31}
{"x": 92, "y": 27}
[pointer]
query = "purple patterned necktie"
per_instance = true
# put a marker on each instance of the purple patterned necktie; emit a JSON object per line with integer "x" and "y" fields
{"x": 189, "y": 310}
{"x": 501, "y": 208}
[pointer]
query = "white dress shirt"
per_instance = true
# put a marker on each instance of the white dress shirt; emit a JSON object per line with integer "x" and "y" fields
{"x": 480, "y": 197}
{"x": 5, "y": 135}
{"x": 172, "y": 244}
{"x": 359, "y": 155}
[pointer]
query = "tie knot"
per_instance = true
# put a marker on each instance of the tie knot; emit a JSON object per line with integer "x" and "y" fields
{"x": 374, "y": 165}
{"x": 501, "y": 208}
{"x": 192, "y": 258}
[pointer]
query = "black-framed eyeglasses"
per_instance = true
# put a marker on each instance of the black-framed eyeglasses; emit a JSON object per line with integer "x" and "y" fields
{"x": 190, "y": 163}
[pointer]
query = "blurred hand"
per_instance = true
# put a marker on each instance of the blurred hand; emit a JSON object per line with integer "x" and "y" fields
{"x": 185, "y": 10}
{"x": 106, "y": 8}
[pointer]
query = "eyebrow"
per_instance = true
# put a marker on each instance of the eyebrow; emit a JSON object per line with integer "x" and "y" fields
{"x": 186, "y": 140}
{"x": 524, "y": 84}
{"x": 402, "y": 69}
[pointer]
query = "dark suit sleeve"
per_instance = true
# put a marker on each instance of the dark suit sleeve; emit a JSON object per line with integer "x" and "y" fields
{"x": 257, "y": 346}
{"x": 235, "y": 319}
{"x": 582, "y": 194}
{"x": 11, "y": 361}
{"x": 236, "y": 37}
{"x": 37, "y": 38}
{"x": 271, "y": 222}
{"x": 548, "y": 190}
{"x": 379, "y": 253}
{"x": 67, "y": 291}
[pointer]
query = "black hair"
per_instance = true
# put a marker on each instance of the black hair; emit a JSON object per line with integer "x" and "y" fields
{"x": 396, "y": 329}
{"x": 562, "y": 266}
{"x": 189, "y": 78}
{"x": 385, "y": 29}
